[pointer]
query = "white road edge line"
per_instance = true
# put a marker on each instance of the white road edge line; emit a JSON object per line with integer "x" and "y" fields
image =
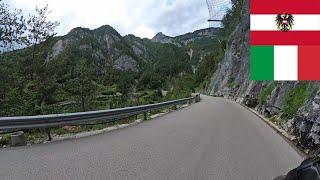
{"x": 288, "y": 138}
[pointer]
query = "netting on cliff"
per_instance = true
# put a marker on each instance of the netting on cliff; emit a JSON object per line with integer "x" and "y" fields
{"x": 217, "y": 9}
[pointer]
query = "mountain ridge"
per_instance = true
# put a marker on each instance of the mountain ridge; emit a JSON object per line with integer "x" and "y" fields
{"x": 86, "y": 68}
{"x": 184, "y": 39}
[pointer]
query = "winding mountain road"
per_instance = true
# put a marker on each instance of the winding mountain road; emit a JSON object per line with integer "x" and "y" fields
{"x": 213, "y": 139}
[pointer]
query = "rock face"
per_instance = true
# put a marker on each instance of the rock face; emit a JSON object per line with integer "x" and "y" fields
{"x": 108, "y": 49}
{"x": 184, "y": 40}
{"x": 160, "y": 37}
{"x": 104, "y": 45}
{"x": 306, "y": 123}
{"x": 126, "y": 63}
{"x": 231, "y": 80}
{"x": 208, "y": 33}
{"x": 57, "y": 48}
{"x": 138, "y": 47}
{"x": 235, "y": 65}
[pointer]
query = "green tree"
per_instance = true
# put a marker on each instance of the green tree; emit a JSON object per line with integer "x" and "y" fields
{"x": 83, "y": 86}
{"x": 12, "y": 27}
{"x": 39, "y": 30}
{"x": 27, "y": 84}
{"x": 231, "y": 19}
{"x": 150, "y": 80}
{"x": 124, "y": 83}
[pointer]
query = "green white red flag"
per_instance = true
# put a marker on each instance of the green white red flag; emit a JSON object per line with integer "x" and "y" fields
{"x": 285, "y": 40}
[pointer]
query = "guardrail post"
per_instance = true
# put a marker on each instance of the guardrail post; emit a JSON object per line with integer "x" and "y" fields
{"x": 49, "y": 135}
{"x": 145, "y": 116}
{"x": 175, "y": 107}
{"x": 198, "y": 98}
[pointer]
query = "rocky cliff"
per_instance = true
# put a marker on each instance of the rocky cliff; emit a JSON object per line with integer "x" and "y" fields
{"x": 293, "y": 106}
{"x": 185, "y": 39}
{"x": 104, "y": 45}
{"x": 107, "y": 48}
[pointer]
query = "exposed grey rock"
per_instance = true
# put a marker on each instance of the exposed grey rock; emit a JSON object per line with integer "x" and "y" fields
{"x": 190, "y": 53}
{"x": 57, "y": 49}
{"x": 126, "y": 63}
{"x": 85, "y": 47}
{"x": 314, "y": 133}
{"x": 315, "y": 105}
{"x": 235, "y": 64}
{"x": 137, "y": 51}
{"x": 317, "y": 99}
{"x": 109, "y": 49}
{"x": 306, "y": 123}
{"x": 160, "y": 37}
{"x": 185, "y": 39}
{"x": 109, "y": 40}
{"x": 99, "y": 55}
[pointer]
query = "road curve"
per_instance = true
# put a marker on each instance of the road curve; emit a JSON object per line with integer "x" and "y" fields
{"x": 213, "y": 139}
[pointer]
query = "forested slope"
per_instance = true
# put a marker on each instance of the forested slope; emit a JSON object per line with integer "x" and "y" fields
{"x": 98, "y": 69}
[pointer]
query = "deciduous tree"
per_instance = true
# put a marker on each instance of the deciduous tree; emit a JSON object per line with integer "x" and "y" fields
{"x": 12, "y": 28}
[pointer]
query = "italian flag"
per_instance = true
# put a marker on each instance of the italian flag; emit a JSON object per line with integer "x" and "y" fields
{"x": 292, "y": 55}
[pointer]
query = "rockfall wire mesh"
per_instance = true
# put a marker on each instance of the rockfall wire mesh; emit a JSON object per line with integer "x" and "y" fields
{"x": 217, "y": 9}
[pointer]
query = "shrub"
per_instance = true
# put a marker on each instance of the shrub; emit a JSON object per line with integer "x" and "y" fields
{"x": 265, "y": 93}
{"x": 5, "y": 139}
{"x": 295, "y": 98}
{"x": 232, "y": 83}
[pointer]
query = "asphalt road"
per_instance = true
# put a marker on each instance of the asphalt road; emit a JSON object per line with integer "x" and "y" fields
{"x": 213, "y": 139}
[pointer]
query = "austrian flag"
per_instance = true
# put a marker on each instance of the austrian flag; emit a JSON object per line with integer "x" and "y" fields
{"x": 285, "y": 40}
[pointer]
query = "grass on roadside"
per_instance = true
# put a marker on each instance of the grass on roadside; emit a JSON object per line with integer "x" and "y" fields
{"x": 4, "y": 139}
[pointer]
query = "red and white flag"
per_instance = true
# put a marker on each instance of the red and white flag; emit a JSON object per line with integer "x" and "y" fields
{"x": 285, "y": 39}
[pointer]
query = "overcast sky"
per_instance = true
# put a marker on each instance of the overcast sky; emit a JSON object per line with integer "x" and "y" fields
{"x": 143, "y": 18}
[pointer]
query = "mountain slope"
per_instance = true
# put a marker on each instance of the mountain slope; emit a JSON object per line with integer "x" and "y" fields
{"x": 104, "y": 45}
{"x": 198, "y": 44}
{"x": 95, "y": 69}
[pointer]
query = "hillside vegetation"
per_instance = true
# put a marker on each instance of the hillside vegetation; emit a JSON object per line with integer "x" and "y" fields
{"x": 99, "y": 69}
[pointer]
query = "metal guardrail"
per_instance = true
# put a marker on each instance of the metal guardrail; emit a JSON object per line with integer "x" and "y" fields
{"x": 8, "y": 124}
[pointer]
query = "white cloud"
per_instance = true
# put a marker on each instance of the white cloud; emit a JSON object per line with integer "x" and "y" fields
{"x": 143, "y": 31}
{"x": 144, "y": 18}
